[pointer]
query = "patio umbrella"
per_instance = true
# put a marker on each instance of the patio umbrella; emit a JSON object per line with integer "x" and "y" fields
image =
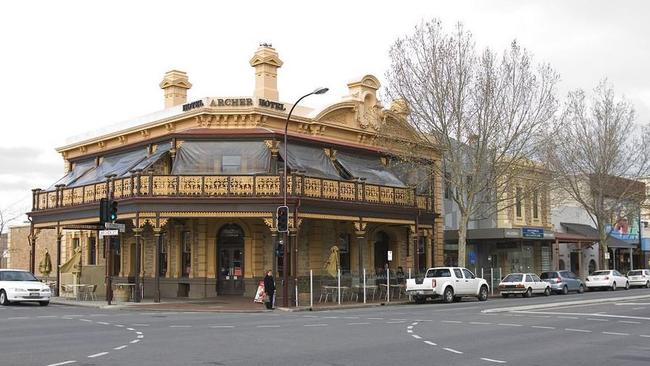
{"x": 45, "y": 266}
{"x": 332, "y": 264}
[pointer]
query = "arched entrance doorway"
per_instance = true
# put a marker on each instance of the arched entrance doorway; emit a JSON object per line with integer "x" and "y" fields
{"x": 381, "y": 249}
{"x": 230, "y": 260}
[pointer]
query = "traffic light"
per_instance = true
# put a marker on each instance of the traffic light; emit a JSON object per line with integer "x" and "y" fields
{"x": 103, "y": 211}
{"x": 279, "y": 250}
{"x": 282, "y": 219}
{"x": 112, "y": 211}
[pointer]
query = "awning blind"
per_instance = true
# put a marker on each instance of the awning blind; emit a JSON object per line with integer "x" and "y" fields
{"x": 222, "y": 157}
{"x": 369, "y": 167}
{"x": 310, "y": 159}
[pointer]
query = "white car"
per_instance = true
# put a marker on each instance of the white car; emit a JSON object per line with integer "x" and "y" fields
{"x": 18, "y": 285}
{"x": 611, "y": 279}
{"x": 639, "y": 277}
{"x": 448, "y": 283}
{"x": 525, "y": 284}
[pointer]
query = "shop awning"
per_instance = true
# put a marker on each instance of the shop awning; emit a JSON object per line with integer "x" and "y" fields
{"x": 310, "y": 159}
{"x": 117, "y": 164}
{"x": 590, "y": 231}
{"x": 146, "y": 163}
{"x": 222, "y": 157}
{"x": 78, "y": 170}
{"x": 369, "y": 167}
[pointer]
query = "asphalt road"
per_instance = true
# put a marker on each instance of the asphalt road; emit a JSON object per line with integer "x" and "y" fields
{"x": 515, "y": 331}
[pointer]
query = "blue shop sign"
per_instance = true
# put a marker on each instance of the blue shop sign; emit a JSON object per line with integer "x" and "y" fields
{"x": 528, "y": 232}
{"x": 472, "y": 257}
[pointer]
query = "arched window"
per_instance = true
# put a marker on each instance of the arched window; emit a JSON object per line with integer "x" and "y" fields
{"x": 561, "y": 265}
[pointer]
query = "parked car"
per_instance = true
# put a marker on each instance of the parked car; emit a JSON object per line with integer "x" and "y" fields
{"x": 563, "y": 281}
{"x": 639, "y": 277}
{"x": 525, "y": 284}
{"x": 19, "y": 285}
{"x": 448, "y": 283}
{"x": 611, "y": 279}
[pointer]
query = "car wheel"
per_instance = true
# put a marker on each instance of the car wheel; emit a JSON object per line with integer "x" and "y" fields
{"x": 482, "y": 293}
{"x": 613, "y": 286}
{"x": 448, "y": 295}
{"x": 565, "y": 290}
{"x": 547, "y": 291}
{"x": 3, "y": 298}
{"x": 505, "y": 295}
{"x": 44, "y": 303}
{"x": 627, "y": 285}
{"x": 581, "y": 289}
{"x": 528, "y": 292}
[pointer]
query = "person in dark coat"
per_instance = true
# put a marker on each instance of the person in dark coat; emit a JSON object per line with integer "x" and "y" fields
{"x": 269, "y": 289}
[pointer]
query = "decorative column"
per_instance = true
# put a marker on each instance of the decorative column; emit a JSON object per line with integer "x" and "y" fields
{"x": 360, "y": 234}
{"x": 59, "y": 235}
{"x": 294, "y": 229}
{"x": 158, "y": 266}
{"x": 32, "y": 250}
{"x": 137, "y": 233}
{"x": 428, "y": 248}
{"x": 273, "y": 147}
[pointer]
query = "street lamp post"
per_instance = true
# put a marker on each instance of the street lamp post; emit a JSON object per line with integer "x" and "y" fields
{"x": 285, "y": 274}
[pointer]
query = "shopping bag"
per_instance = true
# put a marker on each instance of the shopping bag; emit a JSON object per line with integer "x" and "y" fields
{"x": 260, "y": 294}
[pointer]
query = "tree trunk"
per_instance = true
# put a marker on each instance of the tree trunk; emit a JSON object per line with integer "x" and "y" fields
{"x": 604, "y": 263}
{"x": 462, "y": 239}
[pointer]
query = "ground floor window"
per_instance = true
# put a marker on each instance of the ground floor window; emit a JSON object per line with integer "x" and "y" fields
{"x": 92, "y": 251}
{"x": 344, "y": 252}
{"x": 186, "y": 255}
{"x": 162, "y": 256}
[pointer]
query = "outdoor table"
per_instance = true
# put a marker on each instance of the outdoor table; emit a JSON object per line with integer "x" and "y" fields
{"x": 129, "y": 286}
{"x": 79, "y": 290}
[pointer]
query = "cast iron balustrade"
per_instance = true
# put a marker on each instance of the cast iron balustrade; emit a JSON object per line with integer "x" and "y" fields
{"x": 231, "y": 186}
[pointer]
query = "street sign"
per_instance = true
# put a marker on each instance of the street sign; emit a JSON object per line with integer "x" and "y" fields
{"x": 112, "y": 232}
{"x": 528, "y": 232}
{"x": 114, "y": 225}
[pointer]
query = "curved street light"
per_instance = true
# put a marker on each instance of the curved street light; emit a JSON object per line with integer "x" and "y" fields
{"x": 285, "y": 274}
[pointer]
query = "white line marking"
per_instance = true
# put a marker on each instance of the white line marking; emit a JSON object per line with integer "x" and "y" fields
{"x": 375, "y": 318}
{"x": 451, "y": 321}
{"x": 492, "y": 360}
{"x": 330, "y": 317}
{"x": 309, "y": 316}
{"x": 62, "y": 363}
{"x": 632, "y": 303}
{"x": 416, "y": 323}
{"x": 577, "y": 330}
{"x": 480, "y": 323}
{"x": 180, "y": 326}
{"x": 120, "y": 347}
{"x": 416, "y": 336}
{"x": 103, "y": 323}
{"x": 222, "y": 326}
{"x": 98, "y": 354}
{"x": 615, "y": 333}
{"x": 430, "y": 343}
{"x": 409, "y": 327}
{"x": 597, "y": 320}
{"x": 268, "y": 326}
{"x": 593, "y": 315}
{"x": 350, "y": 317}
{"x": 628, "y": 322}
{"x": 138, "y": 332}
{"x": 46, "y": 316}
{"x": 140, "y": 336}
{"x": 17, "y": 317}
{"x": 510, "y": 325}
{"x": 453, "y": 350}
{"x": 86, "y": 320}
{"x": 541, "y": 327}
{"x": 130, "y": 329}
{"x": 568, "y": 317}
{"x": 644, "y": 336}
{"x": 361, "y": 323}
{"x": 396, "y": 322}
{"x": 134, "y": 341}
{"x": 399, "y": 319}
{"x": 119, "y": 325}
{"x": 315, "y": 325}
{"x": 140, "y": 325}
{"x": 409, "y": 331}
{"x": 641, "y": 308}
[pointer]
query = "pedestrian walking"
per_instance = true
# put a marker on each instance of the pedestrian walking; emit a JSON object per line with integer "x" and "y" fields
{"x": 269, "y": 288}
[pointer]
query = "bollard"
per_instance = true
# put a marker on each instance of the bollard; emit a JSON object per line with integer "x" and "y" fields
{"x": 311, "y": 288}
{"x": 364, "y": 285}
{"x": 339, "y": 285}
{"x": 387, "y": 284}
{"x": 492, "y": 281}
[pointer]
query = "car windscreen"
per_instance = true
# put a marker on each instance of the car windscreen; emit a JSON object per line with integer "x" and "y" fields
{"x": 635, "y": 273}
{"x": 439, "y": 272}
{"x": 600, "y": 273}
{"x": 547, "y": 275}
{"x": 513, "y": 278}
{"x": 18, "y": 276}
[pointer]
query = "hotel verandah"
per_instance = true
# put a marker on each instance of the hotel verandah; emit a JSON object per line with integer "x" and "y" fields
{"x": 203, "y": 179}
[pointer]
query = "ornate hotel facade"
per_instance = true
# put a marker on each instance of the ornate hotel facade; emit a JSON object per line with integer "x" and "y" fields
{"x": 198, "y": 184}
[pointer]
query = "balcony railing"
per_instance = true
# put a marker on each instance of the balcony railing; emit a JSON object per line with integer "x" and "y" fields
{"x": 232, "y": 186}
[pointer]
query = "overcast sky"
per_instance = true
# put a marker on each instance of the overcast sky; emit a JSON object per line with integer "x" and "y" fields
{"x": 70, "y": 67}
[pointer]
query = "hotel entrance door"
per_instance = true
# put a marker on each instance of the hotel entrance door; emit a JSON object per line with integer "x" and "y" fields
{"x": 230, "y": 261}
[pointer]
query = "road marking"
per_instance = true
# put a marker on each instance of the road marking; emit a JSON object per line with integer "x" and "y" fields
{"x": 453, "y": 350}
{"x": 615, "y": 333}
{"x": 409, "y": 327}
{"x": 430, "y": 343}
{"x": 222, "y": 326}
{"x": 632, "y": 303}
{"x": 315, "y": 325}
{"x": 592, "y": 315}
{"x": 375, "y": 318}
{"x": 361, "y": 323}
{"x": 134, "y": 341}
{"x": 350, "y": 317}
{"x": 409, "y": 331}
{"x": 330, "y": 317}
{"x": 46, "y": 316}
{"x": 62, "y": 363}
{"x": 130, "y": 329}
{"x": 119, "y": 325}
{"x": 140, "y": 325}
{"x": 86, "y": 320}
{"x": 268, "y": 326}
{"x": 309, "y": 316}
{"x": 140, "y": 336}
{"x": 416, "y": 336}
{"x": 541, "y": 327}
{"x": 577, "y": 330}
{"x": 416, "y": 323}
{"x": 396, "y": 322}
{"x": 644, "y": 336}
{"x": 103, "y": 323}
{"x": 98, "y": 354}
{"x": 138, "y": 332}
{"x": 180, "y": 326}
{"x": 452, "y": 321}
{"x": 120, "y": 347}
{"x": 510, "y": 325}
{"x": 597, "y": 320}
{"x": 480, "y": 323}
{"x": 492, "y": 360}
{"x": 628, "y": 322}
{"x": 17, "y": 318}
{"x": 568, "y": 317}
{"x": 641, "y": 308}
{"x": 399, "y": 319}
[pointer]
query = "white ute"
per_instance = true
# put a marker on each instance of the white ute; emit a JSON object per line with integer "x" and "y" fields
{"x": 449, "y": 283}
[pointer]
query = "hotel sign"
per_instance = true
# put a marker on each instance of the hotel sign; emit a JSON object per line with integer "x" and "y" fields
{"x": 532, "y": 233}
{"x": 236, "y": 102}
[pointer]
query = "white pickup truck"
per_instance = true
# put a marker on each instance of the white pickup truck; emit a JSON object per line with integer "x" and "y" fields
{"x": 449, "y": 283}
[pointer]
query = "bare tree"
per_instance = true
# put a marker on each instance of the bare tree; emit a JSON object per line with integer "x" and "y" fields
{"x": 598, "y": 156}
{"x": 6, "y": 217}
{"x": 484, "y": 111}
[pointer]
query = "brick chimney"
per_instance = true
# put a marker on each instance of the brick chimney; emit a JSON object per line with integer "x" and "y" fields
{"x": 175, "y": 85}
{"x": 266, "y": 63}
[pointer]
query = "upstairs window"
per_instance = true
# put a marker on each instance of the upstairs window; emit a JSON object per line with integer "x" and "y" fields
{"x": 535, "y": 205}
{"x": 518, "y": 202}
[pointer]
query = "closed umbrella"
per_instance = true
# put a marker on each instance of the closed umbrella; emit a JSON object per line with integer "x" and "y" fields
{"x": 45, "y": 266}
{"x": 333, "y": 263}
